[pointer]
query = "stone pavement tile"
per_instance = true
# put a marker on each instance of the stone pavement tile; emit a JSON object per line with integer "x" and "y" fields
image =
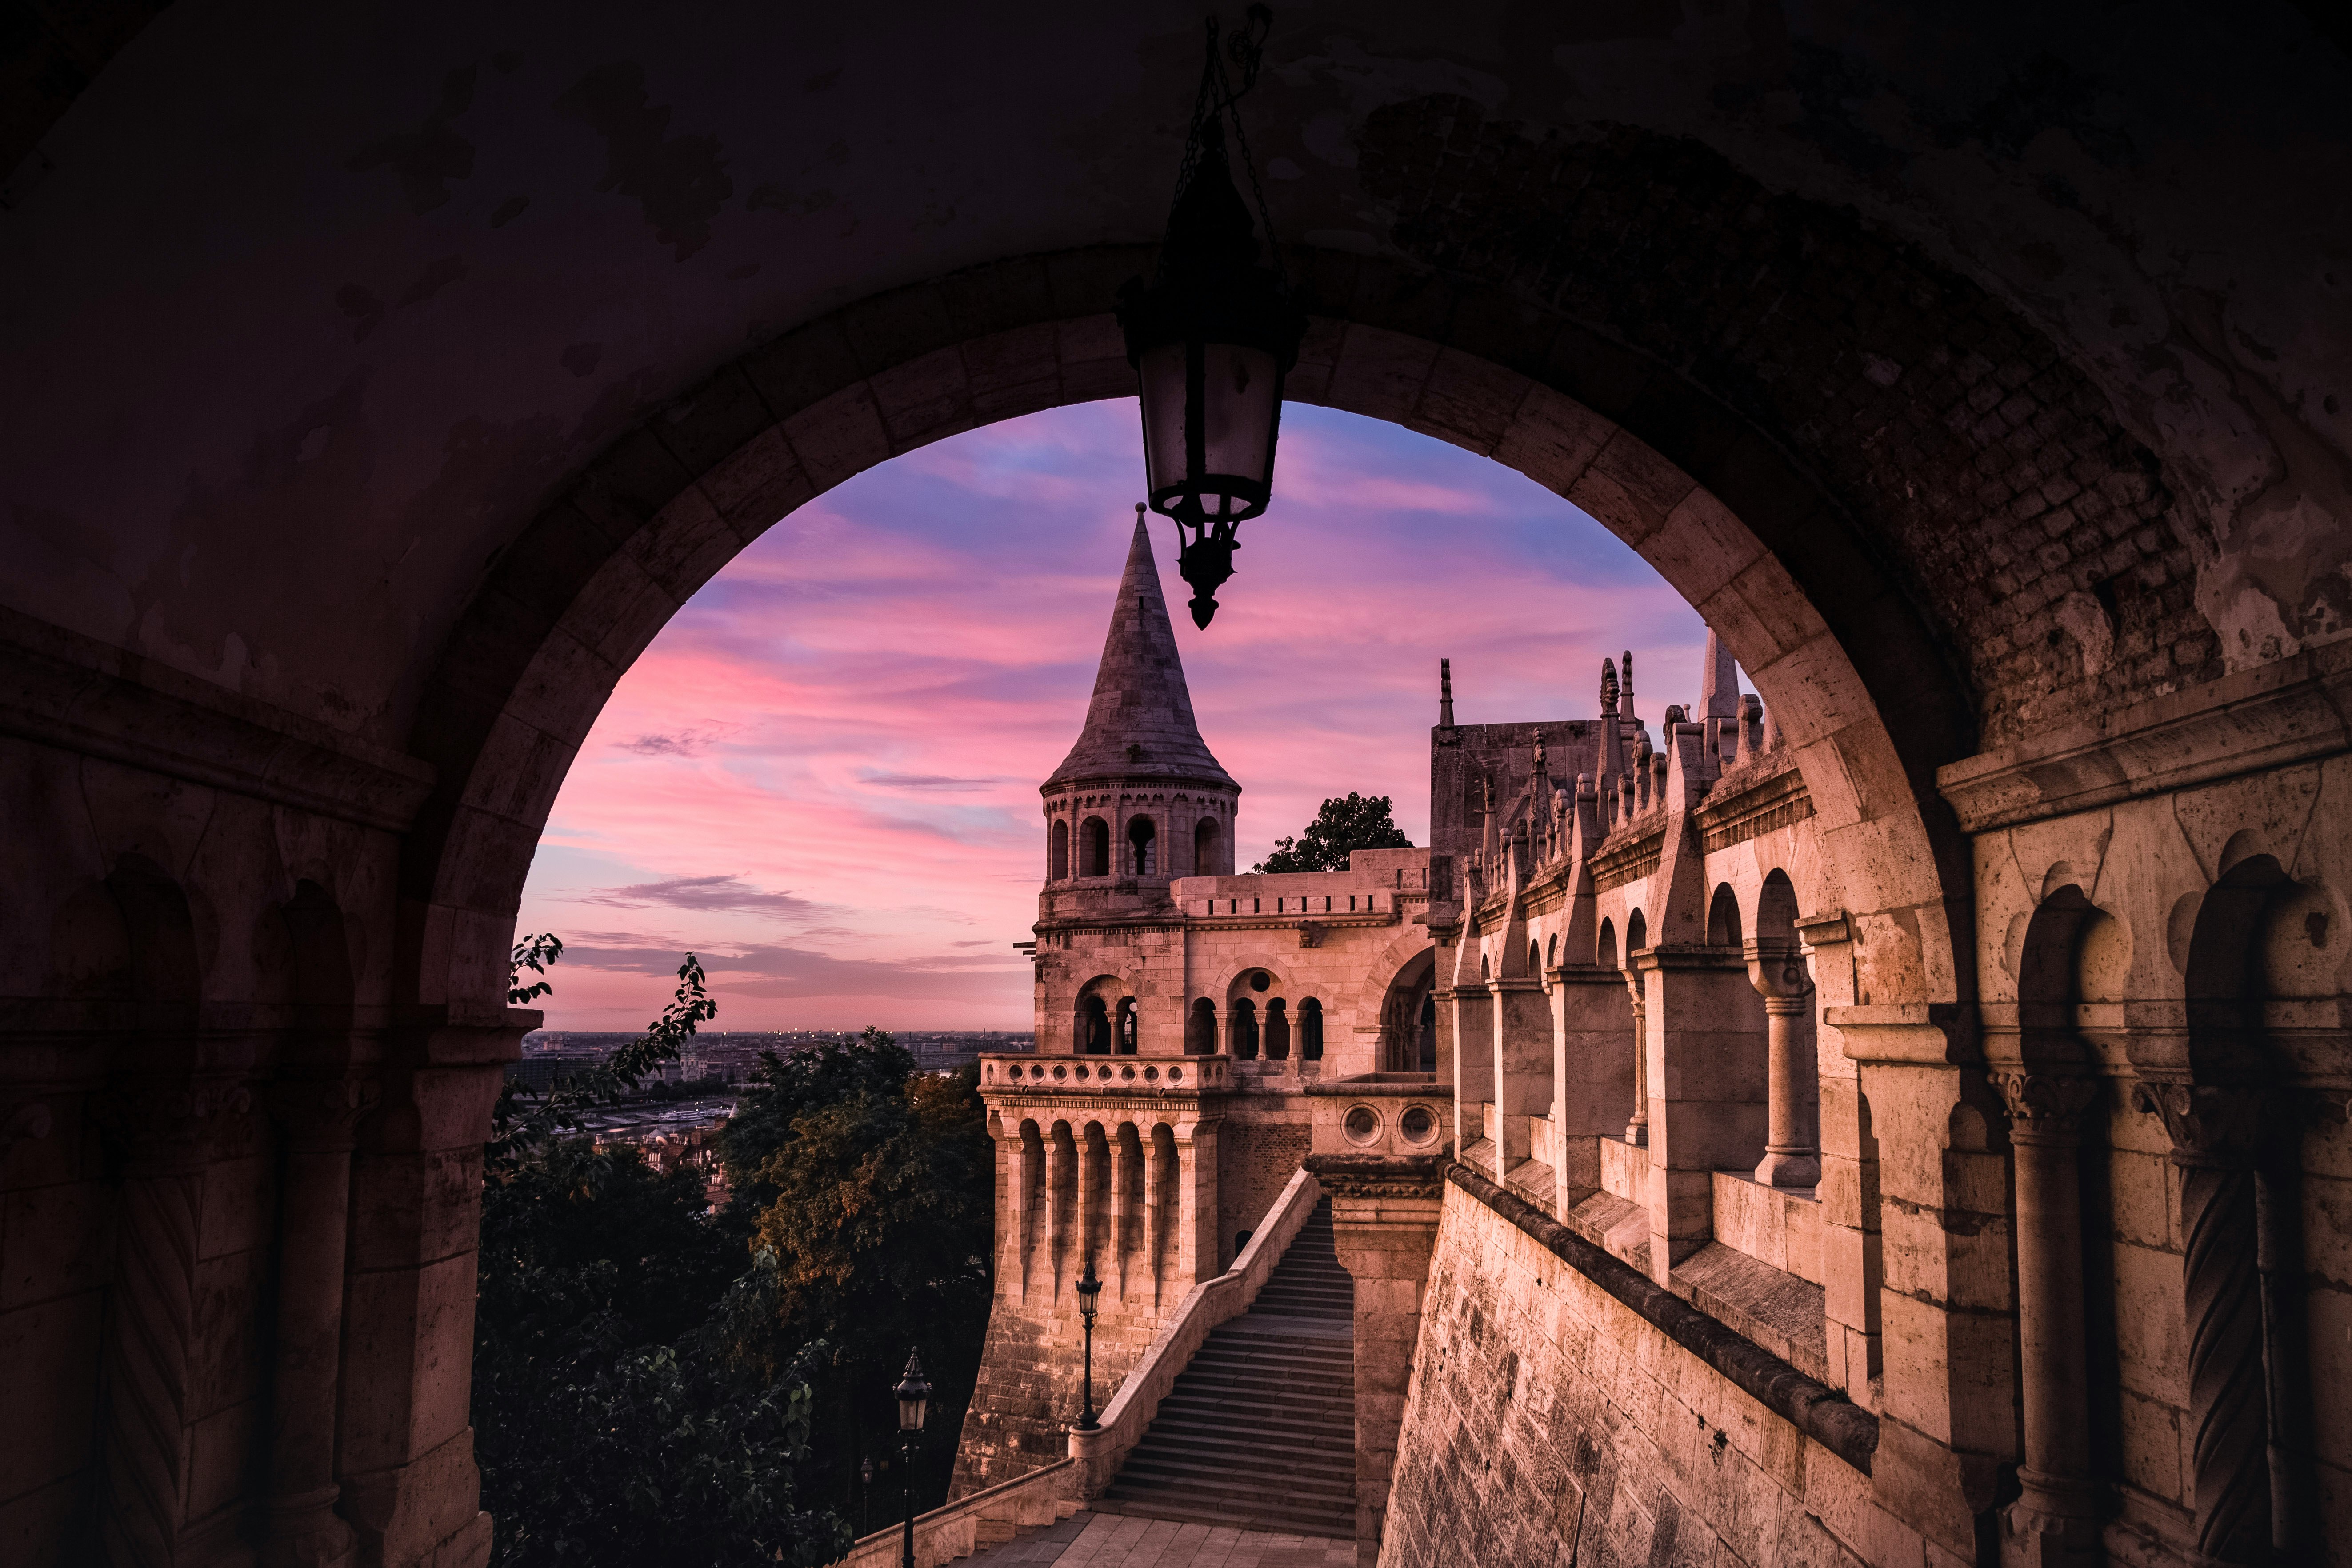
{"x": 1124, "y": 1540}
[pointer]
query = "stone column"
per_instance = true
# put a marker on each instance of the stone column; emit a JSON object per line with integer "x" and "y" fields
{"x": 1521, "y": 1018}
{"x": 1118, "y": 1207}
{"x": 1023, "y": 1177}
{"x": 1057, "y": 1175}
{"x": 1792, "y": 1139}
{"x": 2294, "y": 1505}
{"x": 169, "y": 1135}
{"x": 2056, "y": 1523}
{"x": 1384, "y": 1215}
{"x": 1155, "y": 1222}
{"x": 316, "y": 1119}
{"x": 2215, "y": 1133}
{"x": 1082, "y": 1151}
{"x": 1198, "y": 1253}
{"x": 1637, "y": 1131}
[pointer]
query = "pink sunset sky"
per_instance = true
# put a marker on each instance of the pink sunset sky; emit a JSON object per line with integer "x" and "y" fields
{"x": 822, "y": 777}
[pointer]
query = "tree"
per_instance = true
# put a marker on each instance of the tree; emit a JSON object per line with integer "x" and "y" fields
{"x": 1358, "y": 822}
{"x": 873, "y": 1187}
{"x": 631, "y": 1403}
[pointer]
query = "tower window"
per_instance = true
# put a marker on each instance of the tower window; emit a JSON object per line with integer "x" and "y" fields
{"x": 1094, "y": 848}
{"x": 1058, "y": 861}
{"x": 1143, "y": 847}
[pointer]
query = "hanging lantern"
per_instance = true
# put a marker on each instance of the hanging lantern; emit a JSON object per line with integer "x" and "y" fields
{"x": 1211, "y": 338}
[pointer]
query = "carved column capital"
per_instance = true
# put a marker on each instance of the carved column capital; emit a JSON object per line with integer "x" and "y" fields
{"x": 1778, "y": 973}
{"x": 2211, "y": 1125}
{"x": 2044, "y": 1107}
{"x": 320, "y": 1113}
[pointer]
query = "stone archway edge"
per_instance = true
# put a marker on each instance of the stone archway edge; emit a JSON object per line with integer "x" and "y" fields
{"x": 1819, "y": 1411}
{"x": 597, "y": 574}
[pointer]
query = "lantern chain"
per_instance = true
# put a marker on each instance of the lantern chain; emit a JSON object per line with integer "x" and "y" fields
{"x": 1218, "y": 96}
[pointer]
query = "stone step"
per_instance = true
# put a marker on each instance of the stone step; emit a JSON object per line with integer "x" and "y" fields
{"x": 1259, "y": 1430}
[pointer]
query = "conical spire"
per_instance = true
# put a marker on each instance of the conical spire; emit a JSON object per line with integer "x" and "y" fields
{"x": 1140, "y": 723}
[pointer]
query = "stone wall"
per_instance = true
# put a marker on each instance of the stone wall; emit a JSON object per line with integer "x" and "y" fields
{"x": 1255, "y": 1158}
{"x": 1549, "y": 1422}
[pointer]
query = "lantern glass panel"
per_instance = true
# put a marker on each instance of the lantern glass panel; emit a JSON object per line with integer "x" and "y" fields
{"x": 910, "y": 1412}
{"x": 1239, "y": 385}
{"x": 1160, "y": 378}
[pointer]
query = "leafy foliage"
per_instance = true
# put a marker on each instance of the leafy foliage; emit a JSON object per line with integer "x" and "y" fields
{"x": 523, "y": 1122}
{"x": 872, "y": 1186}
{"x": 534, "y": 953}
{"x": 631, "y": 1400}
{"x": 1358, "y": 822}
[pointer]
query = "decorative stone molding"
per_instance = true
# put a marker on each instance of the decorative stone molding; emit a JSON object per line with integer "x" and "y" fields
{"x": 2044, "y": 1107}
{"x": 2252, "y": 722}
{"x": 1365, "y": 1176}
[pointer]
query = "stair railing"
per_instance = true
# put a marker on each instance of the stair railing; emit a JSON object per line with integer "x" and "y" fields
{"x": 1205, "y": 1308}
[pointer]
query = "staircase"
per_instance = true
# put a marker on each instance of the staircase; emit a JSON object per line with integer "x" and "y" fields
{"x": 1259, "y": 1432}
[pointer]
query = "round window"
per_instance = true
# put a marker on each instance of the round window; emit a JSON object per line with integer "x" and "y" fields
{"x": 1362, "y": 1125}
{"x": 1260, "y": 980}
{"x": 1418, "y": 1124}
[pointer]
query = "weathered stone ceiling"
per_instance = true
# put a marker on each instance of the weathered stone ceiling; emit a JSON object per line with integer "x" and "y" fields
{"x": 313, "y": 306}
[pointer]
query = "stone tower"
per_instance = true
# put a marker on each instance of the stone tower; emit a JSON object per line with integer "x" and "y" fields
{"x": 1138, "y": 802}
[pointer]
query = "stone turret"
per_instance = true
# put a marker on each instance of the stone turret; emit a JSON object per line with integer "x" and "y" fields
{"x": 1140, "y": 798}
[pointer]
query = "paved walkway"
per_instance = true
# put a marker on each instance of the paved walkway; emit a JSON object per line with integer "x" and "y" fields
{"x": 1115, "y": 1541}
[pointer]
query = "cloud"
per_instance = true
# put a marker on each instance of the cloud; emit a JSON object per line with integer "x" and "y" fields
{"x": 926, "y": 780}
{"x": 705, "y": 894}
{"x": 684, "y": 743}
{"x": 792, "y": 972}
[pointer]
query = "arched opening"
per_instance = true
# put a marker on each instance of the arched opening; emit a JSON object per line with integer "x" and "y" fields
{"x": 1637, "y": 933}
{"x": 1125, "y": 1025}
{"x": 1206, "y": 841}
{"x": 1552, "y": 951}
{"x": 1277, "y": 1031}
{"x": 1094, "y": 848}
{"x": 1143, "y": 847}
{"x": 1778, "y": 973}
{"x": 1723, "y": 919}
{"x": 1310, "y": 1030}
{"x": 1534, "y": 958}
{"x": 1094, "y": 1026}
{"x": 1405, "y": 1008}
{"x": 1058, "y": 852}
{"x": 1201, "y": 1028}
{"x": 1425, "y": 1035}
{"x": 1242, "y": 1026}
{"x": 1605, "y": 952}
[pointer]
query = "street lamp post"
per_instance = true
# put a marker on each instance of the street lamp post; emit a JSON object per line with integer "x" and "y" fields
{"x": 1089, "y": 1287}
{"x": 914, "y": 1398}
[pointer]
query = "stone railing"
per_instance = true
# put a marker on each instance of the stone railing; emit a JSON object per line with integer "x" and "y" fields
{"x": 983, "y": 1518}
{"x": 1030, "y": 1074}
{"x": 1099, "y": 1454}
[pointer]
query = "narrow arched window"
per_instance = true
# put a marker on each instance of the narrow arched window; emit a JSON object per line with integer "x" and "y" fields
{"x": 1201, "y": 1029}
{"x": 1637, "y": 935}
{"x": 1244, "y": 1028}
{"x": 1094, "y": 848}
{"x": 1126, "y": 1027}
{"x": 1310, "y": 1030}
{"x": 1204, "y": 848}
{"x": 1552, "y": 951}
{"x": 1608, "y": 953}
{"x": 1094, "y": 1027}
{"x": 1723, "y": 919}
{"x": 1277, "y": 1031}
{"x": 1057, "y": 862}
{"x": 1143, "y": 847}
{"x": 1535, "y": 959}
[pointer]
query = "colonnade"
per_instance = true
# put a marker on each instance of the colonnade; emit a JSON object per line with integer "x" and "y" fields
{"x": 1136, "y": 1194}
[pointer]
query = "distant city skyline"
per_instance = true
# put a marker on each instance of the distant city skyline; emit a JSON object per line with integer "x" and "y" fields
{"x": 821, "y": 776}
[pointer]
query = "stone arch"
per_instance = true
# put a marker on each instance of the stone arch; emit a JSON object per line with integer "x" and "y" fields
{"x": 1276, "y": 1042}
{"x": 1712, "y": 503}
{"x": 1142, "y": 848}
{"x": 1775, "y": 910}
{"x": 1241, "y": 1029}
{"x": 1605, "y": 947}
{"x": 1090, "y": 1034}
{"x": 1058, "y": 852}
{"x": 1125, "y": 1027}
{"x": 1637, "y": 933}
{"x": 1407, "y": 991}
{"x": 1310, "y": 1030}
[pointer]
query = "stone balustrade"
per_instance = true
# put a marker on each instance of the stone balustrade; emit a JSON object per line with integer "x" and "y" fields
{"x": 1028, "y": 1073}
